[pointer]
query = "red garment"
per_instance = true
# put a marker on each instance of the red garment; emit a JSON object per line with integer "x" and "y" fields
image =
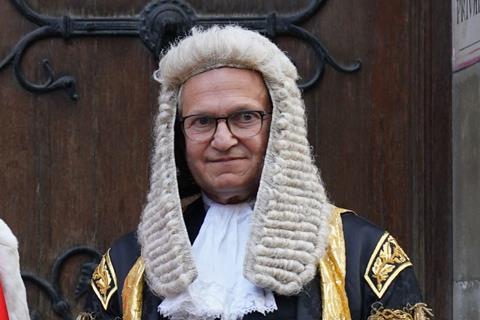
{"x": 3, "y": 306}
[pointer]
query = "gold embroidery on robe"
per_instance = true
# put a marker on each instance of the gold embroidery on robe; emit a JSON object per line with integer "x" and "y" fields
{"x": 419, "y": 311}
{"x": 132, "y": 293}
{"x": 84, "y": 316}
{"x": 104, "y": 280}
{"x": 387, "y": 261}
{"x": 333, "y": 271}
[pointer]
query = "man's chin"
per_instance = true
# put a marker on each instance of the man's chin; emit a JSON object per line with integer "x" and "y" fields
{"x": 231, "y": 184}
{"x": 230, "y": 196}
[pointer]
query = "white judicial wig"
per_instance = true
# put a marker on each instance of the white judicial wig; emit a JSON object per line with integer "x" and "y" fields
{"x": 290, "y": 220}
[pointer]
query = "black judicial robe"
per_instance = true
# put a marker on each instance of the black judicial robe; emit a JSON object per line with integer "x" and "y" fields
{"x": 361, "y": 239}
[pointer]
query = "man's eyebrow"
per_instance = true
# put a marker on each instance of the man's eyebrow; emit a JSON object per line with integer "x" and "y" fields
{"x": 239, "y": 108}
{"x": 205, "y": 114}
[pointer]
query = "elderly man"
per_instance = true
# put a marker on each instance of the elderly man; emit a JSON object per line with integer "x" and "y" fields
{"x": 261, "y": 240}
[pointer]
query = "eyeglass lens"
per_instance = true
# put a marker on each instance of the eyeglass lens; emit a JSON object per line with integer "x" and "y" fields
{"x": 242, "y": 124}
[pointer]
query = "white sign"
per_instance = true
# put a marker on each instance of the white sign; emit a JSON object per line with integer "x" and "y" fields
{"x": 466, "y": 33}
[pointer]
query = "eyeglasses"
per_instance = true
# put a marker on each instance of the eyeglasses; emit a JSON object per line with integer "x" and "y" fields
{"x": 242, "y": 124}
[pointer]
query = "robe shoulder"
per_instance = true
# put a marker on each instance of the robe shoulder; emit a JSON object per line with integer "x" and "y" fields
{"x": 380, "y": 278}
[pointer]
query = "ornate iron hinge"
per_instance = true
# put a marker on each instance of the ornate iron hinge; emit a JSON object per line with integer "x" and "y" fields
{"x": 51, "y": 287}
{"x": 157, "y": 25}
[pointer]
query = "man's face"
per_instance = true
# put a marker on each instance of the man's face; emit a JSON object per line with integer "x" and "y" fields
{"x": 227, "y": 168}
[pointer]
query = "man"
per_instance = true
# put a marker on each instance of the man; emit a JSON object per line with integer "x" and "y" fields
{"x": 262, "y": 240}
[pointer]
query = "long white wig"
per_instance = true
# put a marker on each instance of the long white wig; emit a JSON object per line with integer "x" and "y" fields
{"x": 290, "y": 220}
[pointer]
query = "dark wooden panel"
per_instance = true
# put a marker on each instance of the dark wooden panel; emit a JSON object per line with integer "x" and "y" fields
{"x": 437, "y": 223}
{"x": 383, "y": 135}
{"x": 76, "y": 173}
{"x": 19, "y": 158}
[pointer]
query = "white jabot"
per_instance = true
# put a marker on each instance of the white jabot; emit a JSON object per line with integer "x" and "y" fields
{"x": 220, "y": 290}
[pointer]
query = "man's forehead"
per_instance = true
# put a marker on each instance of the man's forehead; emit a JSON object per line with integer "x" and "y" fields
{"x": 227, "y": 74}
{"x": 243, "y": 88}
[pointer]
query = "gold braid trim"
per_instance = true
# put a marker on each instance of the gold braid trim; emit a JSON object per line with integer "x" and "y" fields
{"x": 418, "y": 311}
{"x": 421, "y": 312}
{"x": 132, "y": 294}
{"x": 85, "y": 316}
{"x": 332, "y": 273}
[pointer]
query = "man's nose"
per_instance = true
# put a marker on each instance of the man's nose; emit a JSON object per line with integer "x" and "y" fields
{"x": 223, "y": 139}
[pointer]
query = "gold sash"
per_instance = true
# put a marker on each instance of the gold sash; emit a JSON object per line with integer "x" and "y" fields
{"x": 132, "y": 294}
{"x": 333, "y": 271}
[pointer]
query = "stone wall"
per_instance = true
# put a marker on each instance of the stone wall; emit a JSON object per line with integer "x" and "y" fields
{"x": 466, "y": 193}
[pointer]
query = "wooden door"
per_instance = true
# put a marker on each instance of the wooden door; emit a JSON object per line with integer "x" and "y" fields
{"x": 76, "y": 173}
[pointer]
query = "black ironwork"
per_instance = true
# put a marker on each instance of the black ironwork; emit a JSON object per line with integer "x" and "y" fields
{"x": 157, "y": 25}
{"x": 51, "y": 287}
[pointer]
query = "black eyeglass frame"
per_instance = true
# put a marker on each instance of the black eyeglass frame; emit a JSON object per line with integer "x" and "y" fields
{"x": 262, "y": 114}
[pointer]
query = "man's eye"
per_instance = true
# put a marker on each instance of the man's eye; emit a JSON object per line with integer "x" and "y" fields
{"x": 201, "y": 121}
{"x": 246, "y": 117}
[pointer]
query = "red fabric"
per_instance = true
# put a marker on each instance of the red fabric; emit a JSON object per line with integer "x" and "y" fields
{"x": 3, "y": 306}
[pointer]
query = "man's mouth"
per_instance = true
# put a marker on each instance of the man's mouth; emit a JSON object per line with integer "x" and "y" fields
{"x": 226, "y": 159}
